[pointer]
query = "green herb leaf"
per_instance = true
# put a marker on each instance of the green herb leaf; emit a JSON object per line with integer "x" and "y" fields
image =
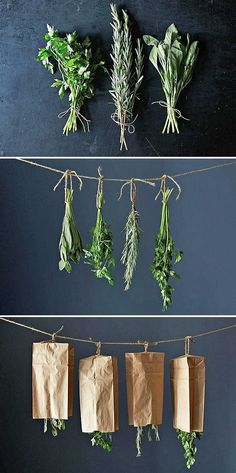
{"x": 139, "y": 436}
{"x": 70, "y": 245}
{"x": 131, "y": 247}
{"x": 188, "y": 444}
{"x": 102, "y": 439}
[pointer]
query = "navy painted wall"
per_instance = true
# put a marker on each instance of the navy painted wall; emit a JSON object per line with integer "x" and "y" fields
{"x": 203, "y": 224}
{"x": 29, "y": 107}
{"x": 71, "y": 451}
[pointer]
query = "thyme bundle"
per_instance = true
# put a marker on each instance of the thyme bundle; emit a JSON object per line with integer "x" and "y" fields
{"x": 77, "y": 64}
{"x": 102, "y": 439}
{"x": 131, "y": 247}
{"x": 165, "y": 253}
{"x": 126, "y": 73}
{"x": 188, "y": 444}
{"x": 56, "y": 425}
{"x": 151, "y": 429}
{"x": 174, "y": 62}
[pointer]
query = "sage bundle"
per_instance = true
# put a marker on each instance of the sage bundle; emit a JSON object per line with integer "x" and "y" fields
{"x": 126, "y": 74}
{"x": 77, "y": 65}
{"x": 70, "y": 244}
{"x": 174, "y": 61}
{"x": 166, "y": 254}
{"x": 99, "y": 255}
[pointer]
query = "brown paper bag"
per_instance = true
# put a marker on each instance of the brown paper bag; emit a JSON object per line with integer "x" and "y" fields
{"x": 145, "y": 385}
{"x": 98, "y": 380}
{"x": 187, "y": 378}
{"x": 52, "y": 380}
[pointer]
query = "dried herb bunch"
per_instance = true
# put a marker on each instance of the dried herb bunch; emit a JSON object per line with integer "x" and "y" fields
{"x": 56, "y": 425}
{"x": 151, "y": 429}
{"x": 77, "y": 64}
{"x": 175, "y": 62}
{"x": 70, "y": 245}
{"x": 188, "y": 444}
{"x": 165, "y": 252}
{"x": 126, "y": 74}
{"x": 102, "y": 439}
{"x": 100, "y": 253}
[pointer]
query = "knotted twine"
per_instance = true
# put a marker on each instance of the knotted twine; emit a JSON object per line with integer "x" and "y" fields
{"x": 68, "y": 174}
{"x": 163, "y": 186}
{"x": 79, "y": 115}
{"x": 178, "y": 113}
{"x": 124, "y": 126}
{"x": 133, "y": 188}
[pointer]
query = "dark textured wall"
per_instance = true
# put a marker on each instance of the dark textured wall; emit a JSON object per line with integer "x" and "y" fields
{"x": 23, "y": 446}
{"x": 203, "y": 225}
{"x": 29, "y": 107}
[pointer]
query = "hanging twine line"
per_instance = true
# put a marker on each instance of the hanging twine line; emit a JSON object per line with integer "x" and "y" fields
{"x": 163, "y": 186}
{"x": 178, "y": 113}
{"x": 83, "y": 120}
{"x": 133, "y": 189}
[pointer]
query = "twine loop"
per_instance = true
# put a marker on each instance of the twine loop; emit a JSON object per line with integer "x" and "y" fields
{"x": 178, "y": 113}
{"x": 146, "y": 344}
{"x": 53, "y": 336}
{"x": 163, "y": 186}
{"x": 99, "y": 196}
{"x": 187, "y": 341}
{"x": 98, "y": 348}
{"x": 83, "y": 120}
{"x": 68, "y": 174}
{"x": 133, "y": 189}
{"x": 128, "y": 126}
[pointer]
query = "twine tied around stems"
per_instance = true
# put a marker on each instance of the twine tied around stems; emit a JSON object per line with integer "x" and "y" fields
{"x": 99, "y": 195}
{"x": 163, "y": 186}
{"x": 178, "y": 113}
{"x": 124, "y": 126}
{"x": 133, "y": 189}
{"x": 83, "y": 120}
{"x": 69, "y": 174}
{"x": 187, "y": 341}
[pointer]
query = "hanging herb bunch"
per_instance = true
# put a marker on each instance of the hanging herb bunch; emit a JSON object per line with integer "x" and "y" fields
{"x": 102, "y": 439}
{"x": 77, "y": 64}
{"x": 152, "y": 430}
{"x": 166, "y": 254}
{"x": 126, "y": 74}
{"x": 56, "y": 425}
{"x": 99, "y": 255}
{"x": 174, "y": 61}
{"x": 188, "y": 443}
{"x": 70, "y": 244}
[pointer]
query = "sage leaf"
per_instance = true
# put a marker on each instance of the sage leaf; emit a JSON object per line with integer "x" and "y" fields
{"x": 70, "y": 245}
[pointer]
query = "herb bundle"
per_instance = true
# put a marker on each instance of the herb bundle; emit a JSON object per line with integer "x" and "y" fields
{"x": 165, "y": 253}
{"x": 102, "y": 439}
{"x": 174, "y": 62}
{"x": 139, "y": 436}
{"x": 100, "y": 253}
{"x": 77, "y": 64}
{"x": 131, "y": 247}
{"x": 56, "y": 425}
{"x": 126, "y": 74}
{"x": 188, "y": 444}
{"x": 70, "y": 245}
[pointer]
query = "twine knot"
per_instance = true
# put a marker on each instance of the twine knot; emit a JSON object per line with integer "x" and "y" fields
{"x": 164, "y": 104}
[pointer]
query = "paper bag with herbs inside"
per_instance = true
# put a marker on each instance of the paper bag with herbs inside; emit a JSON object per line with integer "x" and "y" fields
{"x": 52, "y": 380}
{"x": 187, "y": 379}
{"x": 145, "y": 384}
{"x": 98, "y": 386}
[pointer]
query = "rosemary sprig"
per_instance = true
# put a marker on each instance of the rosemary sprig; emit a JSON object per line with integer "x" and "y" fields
{"x": 139, "y": 436}
{"x": 56, "y": 425}
{"x": 126, "y": 73}
{"x": 131, "y": 247}
{"x": 174, "y": 62}
{"x": 188, "y": 444}
{"x": 70, "y": 245}
{"x": 165, "y": 253}
{"x": 102, "y": 439}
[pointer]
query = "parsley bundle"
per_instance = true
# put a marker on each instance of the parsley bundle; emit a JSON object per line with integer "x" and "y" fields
{"x": 130, "y": 252}
{"x": 139, "y": 436}
{"x": 165, "y": 253}
{"x": 77, "y": 64}
{"x": 188, "y": 444}
{"x": 102, "y": 439}
{"x": 126, "y": 74}
{"x": 174, "y": 62}
{"x": 56, "y": 425}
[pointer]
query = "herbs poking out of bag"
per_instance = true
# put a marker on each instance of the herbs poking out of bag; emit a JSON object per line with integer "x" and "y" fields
{"x": 165, "y": 254}
{"x": 102, "y": 439}
{"x": 188, "y": 444}
{"x": 151, "y": 429}
{"x": 131, "y": 247}
{"x": 70, "y": 245}
{"x": 77, "y": 64}
{"x": 126, "y": 73}
{"x": 100, "y": 253}
{"x": 56, "y": 425}
{"x": 174, "y": 62}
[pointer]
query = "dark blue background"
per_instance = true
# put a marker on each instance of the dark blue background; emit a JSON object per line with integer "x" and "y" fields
{"x": 203, "y": 224}
{"x": 29, "y": 107}
{"x": 23, "y": 446}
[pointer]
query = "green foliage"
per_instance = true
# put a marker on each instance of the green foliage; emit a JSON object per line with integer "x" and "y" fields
{"x": 56, "y": 425}
{"x": 151, "y": 429}
{"x": 131, "y": 247}
{"x": 70, "y": 245}
{"x": 126, "y": 74}
{"x": 165, "y": 254}
{"x": 188, "y": 444}
{"x": 77, "y": 64}
{"x": 102, "y": 439}
{"x": 174, "y": 62}
{"x": 100, "y": 253}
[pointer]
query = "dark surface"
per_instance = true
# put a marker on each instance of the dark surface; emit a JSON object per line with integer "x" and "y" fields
{"x": 29, "y": 107}
{"x": 24, "y": 448}
{"x": 203, "y": 225}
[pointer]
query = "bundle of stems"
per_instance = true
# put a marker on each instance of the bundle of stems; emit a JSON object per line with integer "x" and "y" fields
{"x": 188, "y": 444}
{"x": 102, "y": 439}
{"x": 130, "y": 252}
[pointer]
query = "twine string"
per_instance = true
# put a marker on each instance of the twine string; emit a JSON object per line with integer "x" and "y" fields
{"x": 187, "y": 341}
{"x": 83, "y": 120}
{"x": 133, "y": 189}
{"x": 178, "y": 113}
{"x": 70, "y": 174}
{"x": 98, "y": 348}
{"x": 129, "y": 126}
{"x": 163, "y": 186}
{"x": 99, "y": 195}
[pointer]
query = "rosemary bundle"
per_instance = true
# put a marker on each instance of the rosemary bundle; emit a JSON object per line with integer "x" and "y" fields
{"x": 56, "y": 425}
{"x": 70, "y": 245}
{"x": 174, "y": 62}
{"x": 100, "y": 253}
{"x": 151, "y": 429}
{"x": 130, "y": 251}
{"x": 77, "y": 64}
{"x": 102, "y": 439}
{"x": 188, "y": 444}
{"x": 126, "y": 74}
{"x": 165, "y": 253}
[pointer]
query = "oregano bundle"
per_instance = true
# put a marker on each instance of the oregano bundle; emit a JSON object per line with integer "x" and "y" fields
{"x": 102, "y": 439}
{"x": 188, "y": 443}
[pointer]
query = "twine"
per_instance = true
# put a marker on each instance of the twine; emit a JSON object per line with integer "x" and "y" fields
{"x": 65, "y": 176}
{"x": 79, "y": 115}
{"x": 163, "y": 186}
{"x": 133, "y": 188}
{"x": 99, "y": 196}
{"x": 178, "y": 113}
{"x": 129, "y": 126}
{"x": 187, "y": 341}
{"x": 98, "y": 348}
{"x": 53, "y": 336}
